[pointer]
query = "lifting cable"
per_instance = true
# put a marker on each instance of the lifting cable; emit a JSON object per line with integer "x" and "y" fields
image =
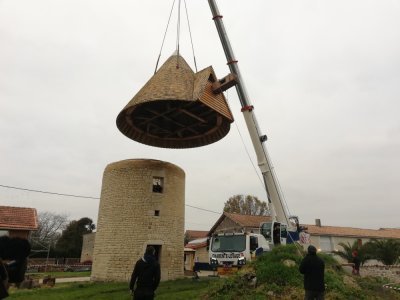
{"x": 165, "y": 34}
{"x": 279, "y": 187}
{"x": 178, "y": 34}
{"x": 248, "y": 155}
{"x": 245, "y": 148}
{"x": 190, "y": 34}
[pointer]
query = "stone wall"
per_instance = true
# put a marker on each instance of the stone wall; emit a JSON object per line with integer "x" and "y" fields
{"x": 201, "y": 255}
{"x": 88, "y": 246}
{"x": 132, "y": 216}
{"x": 390, "y": 272}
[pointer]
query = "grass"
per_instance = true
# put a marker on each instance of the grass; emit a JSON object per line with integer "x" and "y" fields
{"x": 181, "y": 289}
{"x": 277, "y": 278}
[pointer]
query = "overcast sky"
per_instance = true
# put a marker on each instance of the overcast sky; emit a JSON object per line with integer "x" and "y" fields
{"x": 324, "y": 77}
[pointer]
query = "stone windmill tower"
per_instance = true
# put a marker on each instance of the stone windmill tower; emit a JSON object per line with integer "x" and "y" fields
{"x": 142, "y": 201}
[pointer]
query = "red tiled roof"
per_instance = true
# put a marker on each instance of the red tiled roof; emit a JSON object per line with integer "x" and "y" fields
{"x": 241, "y": 220}
{"x": 195, "y": 234}
{"x": 388, "y": 233}
{"x": 18, "y": 218}
{"x": 248, "y": 220}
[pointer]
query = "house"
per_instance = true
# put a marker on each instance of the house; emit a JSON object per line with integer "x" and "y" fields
{"x": 195, "y": 247}
{"x": 230, "y": 222}
{"x": 324, "y": 238}
{"x": 191, "y": 235}
{"x": 200, "y": 248}
{"x": 327, "y": 238}
{"x": 189, "y": 261}
{"x": 18, "y": 221}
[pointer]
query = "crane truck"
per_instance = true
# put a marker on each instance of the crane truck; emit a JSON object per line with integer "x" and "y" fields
{"x": 234, "y": 249}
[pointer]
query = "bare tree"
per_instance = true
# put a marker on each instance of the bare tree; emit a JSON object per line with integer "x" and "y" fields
{"x": 49, "y": 230}
{"x": 246, "y": 205}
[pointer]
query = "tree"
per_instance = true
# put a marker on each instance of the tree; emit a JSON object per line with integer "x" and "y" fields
{"x": 386, "y": 251}
{"x": 246, "y": 205}
{"x": 50, "y": 226}
{"x": 70, "y": 242}
{"x": 363, "y": 251}
{"x": 347, "y": 252}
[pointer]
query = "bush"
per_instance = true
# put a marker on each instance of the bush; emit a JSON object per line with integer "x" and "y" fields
{"x": 271, "y": 270}
{"x": 276, "y": 280}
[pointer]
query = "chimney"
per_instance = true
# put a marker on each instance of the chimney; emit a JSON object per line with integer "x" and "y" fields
{"x": 318, "y": 222}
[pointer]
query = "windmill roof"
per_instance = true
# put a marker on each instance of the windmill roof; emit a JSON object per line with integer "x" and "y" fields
{"x": 177, "y": 108}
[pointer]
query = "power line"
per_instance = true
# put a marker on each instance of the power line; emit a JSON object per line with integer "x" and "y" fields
{"x": 86, "y": 197}
{"x": 211, "y": 211}
{"x": 45, "y": 192}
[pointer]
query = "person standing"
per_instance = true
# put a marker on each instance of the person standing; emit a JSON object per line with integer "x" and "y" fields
{"x": 276, "y": 234}
{"x": 146, "y": 275}
{"x": 313, "y": 268}
{"x": 3, "y": 281}
{"x": 356, "y": 263}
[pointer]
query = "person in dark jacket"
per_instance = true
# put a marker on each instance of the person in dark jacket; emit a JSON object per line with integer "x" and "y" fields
{"x": 15, "y": 251}
{"x": 313, "y": 269}
{"x": 146, "y": 275}
{"x": 276, "y": 234}
{"x": 356, "y": 263}
{"x": 3, "y": 281}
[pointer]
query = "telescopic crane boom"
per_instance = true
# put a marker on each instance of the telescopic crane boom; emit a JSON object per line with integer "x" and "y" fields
{"x": 274, "y": 194}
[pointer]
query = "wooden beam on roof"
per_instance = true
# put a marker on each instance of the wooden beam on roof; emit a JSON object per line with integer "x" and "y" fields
{"x": 224, "y": 83}
{"x": 192, "y": 115}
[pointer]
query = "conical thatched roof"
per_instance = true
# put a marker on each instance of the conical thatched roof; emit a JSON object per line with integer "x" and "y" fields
{"x": 176, "y": 108}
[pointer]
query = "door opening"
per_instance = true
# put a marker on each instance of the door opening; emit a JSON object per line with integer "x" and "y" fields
{"x": 158, "y": 251}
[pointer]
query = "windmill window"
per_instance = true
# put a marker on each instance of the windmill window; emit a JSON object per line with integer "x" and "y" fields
{"x": 158, "y": 184}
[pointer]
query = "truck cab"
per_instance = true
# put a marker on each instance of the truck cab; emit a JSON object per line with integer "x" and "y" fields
{"x": 235, "y": 249}
{"x": 274, "y": 232}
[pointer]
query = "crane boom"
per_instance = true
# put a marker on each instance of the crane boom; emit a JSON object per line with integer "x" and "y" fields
{"x": 264, "y": 162}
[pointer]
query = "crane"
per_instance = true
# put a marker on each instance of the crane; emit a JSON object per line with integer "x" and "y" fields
{"x": 274, "y": 194}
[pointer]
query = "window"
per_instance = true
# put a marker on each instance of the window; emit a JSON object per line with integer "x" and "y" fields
{"x": 266, "y": 230}
{"x": 158, "y": 184}
{"x": 253, "y": 243}
{"x": 283, "y": 231}
{"x": 228, "y": 243}
{"x": 157, "y": 213}
{"x": 325, "y": 243}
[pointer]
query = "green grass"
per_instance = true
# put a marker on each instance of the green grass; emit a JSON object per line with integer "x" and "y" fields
{"x": 181, "y": 289}
{"x": 275, "y": 280}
